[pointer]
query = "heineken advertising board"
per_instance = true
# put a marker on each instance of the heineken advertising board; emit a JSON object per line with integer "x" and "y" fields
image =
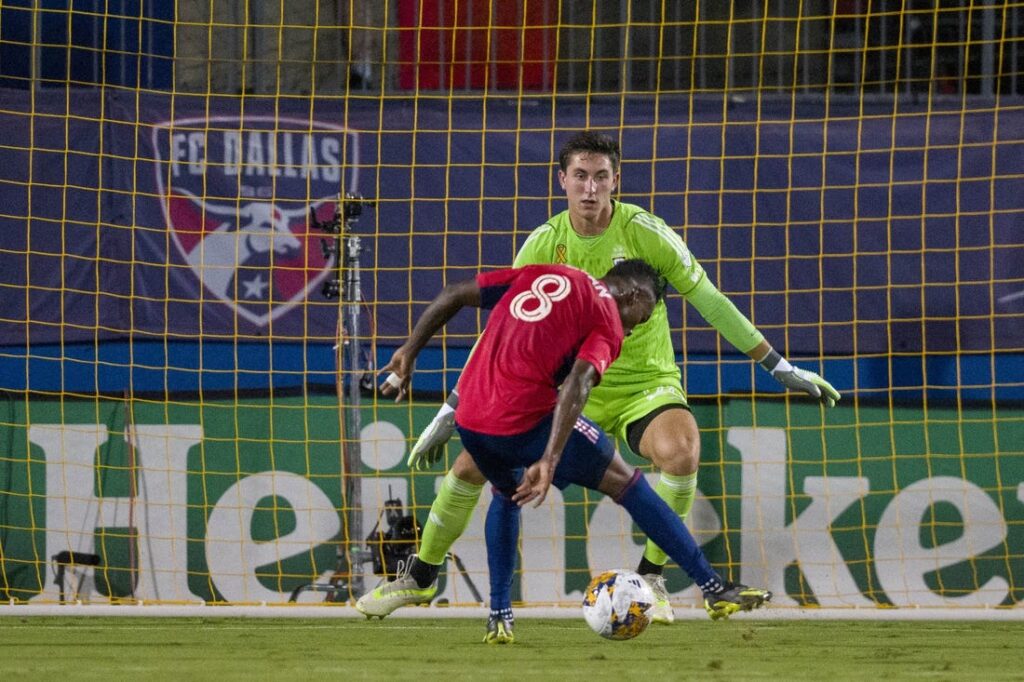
{"x": 242, "y": 501}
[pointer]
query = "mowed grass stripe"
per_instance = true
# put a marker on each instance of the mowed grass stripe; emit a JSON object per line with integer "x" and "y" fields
{"x": 450, "y": 649}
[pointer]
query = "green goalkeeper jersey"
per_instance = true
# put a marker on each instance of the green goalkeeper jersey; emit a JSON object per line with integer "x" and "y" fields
{"x": 647, "y": 354}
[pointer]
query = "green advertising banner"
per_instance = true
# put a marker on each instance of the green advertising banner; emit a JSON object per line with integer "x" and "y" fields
{"x": 243, "y": 501}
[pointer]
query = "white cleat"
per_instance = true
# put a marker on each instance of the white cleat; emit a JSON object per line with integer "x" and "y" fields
{"x": 402, "y": 591}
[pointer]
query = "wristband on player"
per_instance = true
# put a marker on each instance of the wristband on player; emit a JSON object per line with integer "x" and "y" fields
{"x": 773, "y": 363}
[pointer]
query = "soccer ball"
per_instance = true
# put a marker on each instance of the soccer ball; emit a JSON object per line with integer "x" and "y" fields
{"x": 616, "y": 603}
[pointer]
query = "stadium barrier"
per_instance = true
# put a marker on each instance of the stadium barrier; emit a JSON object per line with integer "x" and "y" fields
{"x": 229, "y": 502}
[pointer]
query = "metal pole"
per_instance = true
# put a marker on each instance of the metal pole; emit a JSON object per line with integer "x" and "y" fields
{"x": 346, "y": 285}
{"x": 352, "y": 295}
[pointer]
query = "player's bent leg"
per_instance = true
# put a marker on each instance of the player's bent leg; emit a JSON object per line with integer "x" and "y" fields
{"x": 501, "y": 532}
{"x": 659, "y": 522}
{"x": 734, "y": 597}
{"x": 667, "y": 436}
{"x": 678, "y": 493}
{"x": 466, "y": 470}
{"x": 449, "y": 515}
{"x": 416, "y": 583}
{"x": 670, "y": 439}
{"x": 451, "y": 510}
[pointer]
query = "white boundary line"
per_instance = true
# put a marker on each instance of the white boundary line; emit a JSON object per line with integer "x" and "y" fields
{"x": 337, "y": 611}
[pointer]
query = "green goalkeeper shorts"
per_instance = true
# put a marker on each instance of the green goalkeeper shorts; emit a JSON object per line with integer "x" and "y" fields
{"x": 616, "y": 407}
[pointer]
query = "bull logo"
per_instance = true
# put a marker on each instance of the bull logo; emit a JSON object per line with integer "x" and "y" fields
{"x": 237, "y": 196}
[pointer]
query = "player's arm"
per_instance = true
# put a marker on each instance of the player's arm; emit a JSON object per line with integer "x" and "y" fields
{"x": 430, "y": 446}
{"x": 720, "y": 313}
{"x": 451, "y": 300}
{"x": 572, "y": 396}
{"x": 665, "y": 249}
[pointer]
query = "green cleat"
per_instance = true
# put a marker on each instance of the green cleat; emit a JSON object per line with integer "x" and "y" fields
{"x": 499, "y": 631}
{"x": 402, "y": 591}
{"x": 735, "y": 597}
{"x": 661, "y": 612}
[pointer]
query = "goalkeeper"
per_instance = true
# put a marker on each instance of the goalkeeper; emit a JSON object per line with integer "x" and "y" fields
{"x": 640, "y": 399}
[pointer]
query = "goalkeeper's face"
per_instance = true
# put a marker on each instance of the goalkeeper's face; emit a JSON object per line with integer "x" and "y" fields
{"x": 589, "y": 181}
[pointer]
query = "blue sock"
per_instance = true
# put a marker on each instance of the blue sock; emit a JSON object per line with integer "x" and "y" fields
{"x": 657, "y": 520}
{"x": 504, "y": 614}
{"x": 502, "y": 534}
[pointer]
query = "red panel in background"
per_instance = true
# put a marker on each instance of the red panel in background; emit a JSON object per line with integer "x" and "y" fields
{"x": 472, "y": 44}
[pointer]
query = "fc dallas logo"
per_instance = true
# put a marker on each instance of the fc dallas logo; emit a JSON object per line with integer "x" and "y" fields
{"x": 236, "y": 195}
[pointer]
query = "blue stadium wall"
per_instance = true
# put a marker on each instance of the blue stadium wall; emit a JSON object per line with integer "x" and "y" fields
{"x": 98, "y": 299}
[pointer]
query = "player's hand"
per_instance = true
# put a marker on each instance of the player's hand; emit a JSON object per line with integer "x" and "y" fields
{"x": 430, "y": 446}
{"x": 535, "y": 484}
{"x": 797, "y": 379}
{"x": 397, "y": 382}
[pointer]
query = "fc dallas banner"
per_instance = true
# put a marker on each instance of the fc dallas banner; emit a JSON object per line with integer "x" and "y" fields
{"x": 156, "y": 217}
{"x": 238, "y": 194}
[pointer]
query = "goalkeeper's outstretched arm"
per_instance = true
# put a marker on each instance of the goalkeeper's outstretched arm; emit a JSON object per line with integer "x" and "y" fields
{"x": 794, "y": 378}
{"x": 720, "y": 313}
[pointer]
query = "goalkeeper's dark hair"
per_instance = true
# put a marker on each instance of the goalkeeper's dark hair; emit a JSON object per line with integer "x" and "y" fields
{"x": 591, "y": 142}
{"x": 639, "y": 271}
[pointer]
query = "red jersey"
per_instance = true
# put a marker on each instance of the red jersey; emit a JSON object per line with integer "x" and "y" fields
{"x": 544, "y": 318}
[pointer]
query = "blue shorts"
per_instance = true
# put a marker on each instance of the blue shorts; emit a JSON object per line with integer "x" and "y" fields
{"x": 502, "y": 459}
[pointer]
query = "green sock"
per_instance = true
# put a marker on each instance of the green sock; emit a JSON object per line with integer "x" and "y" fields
{"x": 678, "y": 493}
{"x": 449, "y": 515}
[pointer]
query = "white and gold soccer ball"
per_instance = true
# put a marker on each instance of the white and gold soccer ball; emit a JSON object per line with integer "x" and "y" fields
{"x": 616, "y": 604}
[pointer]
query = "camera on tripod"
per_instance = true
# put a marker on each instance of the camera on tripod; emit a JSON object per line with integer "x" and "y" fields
{"x": 397, "y": 543}
{"x": 344, "y": 247}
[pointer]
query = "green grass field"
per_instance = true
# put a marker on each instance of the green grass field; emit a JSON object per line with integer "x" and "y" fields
{"x": 117, "y": 648}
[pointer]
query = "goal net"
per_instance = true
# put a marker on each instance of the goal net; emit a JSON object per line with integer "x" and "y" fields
{"x": 218, "y": 220}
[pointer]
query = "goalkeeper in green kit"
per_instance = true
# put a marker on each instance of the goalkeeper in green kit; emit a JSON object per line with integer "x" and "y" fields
{"x": 640, "y": 399}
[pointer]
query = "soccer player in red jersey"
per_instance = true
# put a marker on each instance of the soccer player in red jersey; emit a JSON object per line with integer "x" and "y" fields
{"x": 552, "y": 333}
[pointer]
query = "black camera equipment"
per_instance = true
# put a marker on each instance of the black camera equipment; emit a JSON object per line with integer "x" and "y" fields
{"x": 66, "y": 560}
{"x": 396, "y": 543}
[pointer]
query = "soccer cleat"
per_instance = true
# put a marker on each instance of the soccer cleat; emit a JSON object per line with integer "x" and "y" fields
{"x": 402, "y": 591}
{"x": 735, "y": 597}
{"x": 662, "y": 611}
{"x": 499, "y": 631}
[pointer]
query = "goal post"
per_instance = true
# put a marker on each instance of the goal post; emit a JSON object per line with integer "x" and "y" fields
{"x": 173, "y": 413}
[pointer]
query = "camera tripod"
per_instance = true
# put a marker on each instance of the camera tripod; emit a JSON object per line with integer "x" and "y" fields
{"x": 344, "y": 247}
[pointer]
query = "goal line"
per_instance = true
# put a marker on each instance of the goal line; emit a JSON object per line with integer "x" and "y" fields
{"x": 331, "y": 611}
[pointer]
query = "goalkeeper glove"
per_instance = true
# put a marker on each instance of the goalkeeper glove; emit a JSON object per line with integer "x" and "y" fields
{"x": 797, "y": 379}
{"x": 430, "y": 446}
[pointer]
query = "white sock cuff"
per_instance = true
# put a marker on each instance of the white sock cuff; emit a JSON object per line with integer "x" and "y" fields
{"x": 688, "y": 482}
{"x": 462, "y": 488}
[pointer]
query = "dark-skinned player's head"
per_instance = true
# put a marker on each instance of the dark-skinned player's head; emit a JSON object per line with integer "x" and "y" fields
{"x": 637, "y": 288}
